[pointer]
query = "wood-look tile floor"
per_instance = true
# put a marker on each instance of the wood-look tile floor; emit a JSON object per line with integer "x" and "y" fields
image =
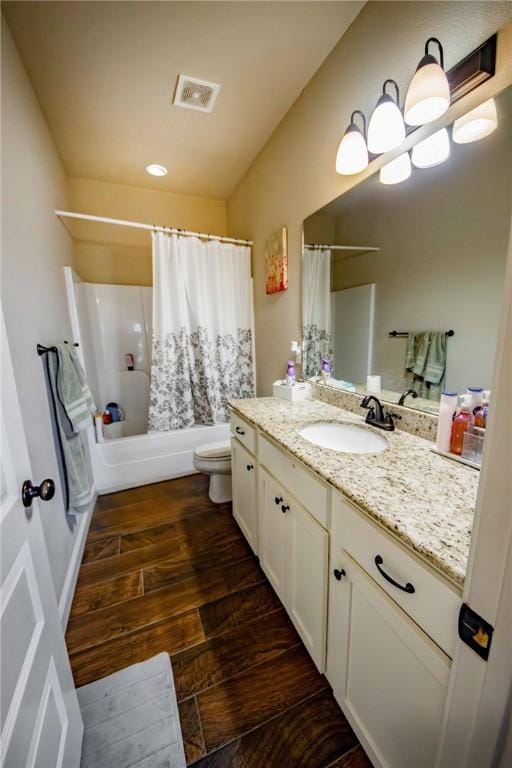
{"x": 166, "y": 570}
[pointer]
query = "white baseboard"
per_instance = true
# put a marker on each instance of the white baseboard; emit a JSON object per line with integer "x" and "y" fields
{"x": 68, "y": 589}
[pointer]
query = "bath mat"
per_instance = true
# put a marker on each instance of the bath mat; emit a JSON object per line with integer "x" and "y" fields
{"x": 131, "y": 718}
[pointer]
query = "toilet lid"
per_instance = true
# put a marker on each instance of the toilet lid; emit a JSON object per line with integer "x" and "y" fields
{"x": 220, "y": 450}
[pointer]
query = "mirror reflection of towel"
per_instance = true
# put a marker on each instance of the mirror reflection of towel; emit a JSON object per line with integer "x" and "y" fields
{"x": 425, "y": 362}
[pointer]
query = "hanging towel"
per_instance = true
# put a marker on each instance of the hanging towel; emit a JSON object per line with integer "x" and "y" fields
{"x": 436, "y": 360}
{"x": 73, "y": 409}
{"x": 425, "y": 362}
{"x": 73, "y": 389}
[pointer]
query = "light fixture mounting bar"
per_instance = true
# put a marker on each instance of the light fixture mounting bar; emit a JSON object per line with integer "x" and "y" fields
{"x": 473, "y": 70}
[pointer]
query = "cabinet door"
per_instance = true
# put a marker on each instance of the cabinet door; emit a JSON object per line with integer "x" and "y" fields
{"x": 392, "y": 677}
{"x": 245, "y": 484}
{"x": 273, "y": 533}
{"x": 307, "y": 564}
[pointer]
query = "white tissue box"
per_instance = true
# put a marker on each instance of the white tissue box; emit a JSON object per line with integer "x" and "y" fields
{"x": 299, "y": 391}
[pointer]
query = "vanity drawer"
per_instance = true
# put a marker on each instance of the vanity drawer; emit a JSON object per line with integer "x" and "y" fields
{"x": 434, "y": 604}
{"x": 311, "y": 493}
{"x": 243, "y": 432}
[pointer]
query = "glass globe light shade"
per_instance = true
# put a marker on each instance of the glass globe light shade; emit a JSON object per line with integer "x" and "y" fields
{"x": 397, "y": 170}
{"x": 432, "y": 151}
{"x": 352, "y": 155}
{"x": 386, "y": 130}
{"x": 476, "y": 124}
{"x": 428, "y": 96}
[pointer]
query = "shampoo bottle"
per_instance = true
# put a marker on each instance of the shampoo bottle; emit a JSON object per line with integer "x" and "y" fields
{"x": 475, "y": 396}
{"x": 290, "y": 374}
{"x": 447, "y": 409}
{"x": 462, "y": 423}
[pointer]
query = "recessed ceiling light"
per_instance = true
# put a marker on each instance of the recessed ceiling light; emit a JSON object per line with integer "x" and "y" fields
{"x": 156, "y": 170}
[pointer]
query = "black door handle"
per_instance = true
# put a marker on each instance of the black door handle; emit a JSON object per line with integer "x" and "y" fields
{"x": 45, "y": 491}
{"x": 339, "y": 573}
{"x": 239, "y": 431}
{"x": 249, "y": 467}
{"x": 285, "y": 508}
{"x": 407, "y": 588}
{"x": 278, "y": 499}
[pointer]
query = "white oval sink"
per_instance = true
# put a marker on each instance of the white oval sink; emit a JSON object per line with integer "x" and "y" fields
{"x": 347, "y": 438}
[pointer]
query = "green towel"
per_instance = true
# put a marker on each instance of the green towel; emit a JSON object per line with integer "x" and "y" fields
{"x": 436, "y": 359}
{"x": 425, "y": 362}
{"x": 74, "y": 405}
{"x": 73, "y": 389}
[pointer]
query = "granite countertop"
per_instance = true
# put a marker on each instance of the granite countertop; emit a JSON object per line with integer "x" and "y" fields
{"x": 427, "y": 501}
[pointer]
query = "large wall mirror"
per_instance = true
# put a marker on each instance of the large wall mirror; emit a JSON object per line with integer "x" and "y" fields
{"x": 405, "y": 281}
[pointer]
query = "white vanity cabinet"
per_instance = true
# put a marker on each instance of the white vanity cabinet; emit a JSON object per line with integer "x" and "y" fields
{"x": 294, "y": 552}
{"x": 377, "y": 618}
{"x": 387, "y": 673}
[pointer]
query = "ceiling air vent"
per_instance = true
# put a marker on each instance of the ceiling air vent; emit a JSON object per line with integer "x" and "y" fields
{"x": 192, "y": 93}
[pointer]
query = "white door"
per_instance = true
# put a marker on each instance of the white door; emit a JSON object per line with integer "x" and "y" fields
{"x": 245, "y": 510}
{"x": 273, "y": 528}
{"x": 307, "y": 564}
{"x": 41, "y": 725}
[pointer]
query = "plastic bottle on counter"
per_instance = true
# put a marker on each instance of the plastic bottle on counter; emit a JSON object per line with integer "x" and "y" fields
{"x": 482, "y": 413}
{"x": 447, "y": 409}
{"x": 98, "y": 427}
{"x": 475, "y": 397}
{"x": 462, "y": 423}
{"x": 290, "y": 374}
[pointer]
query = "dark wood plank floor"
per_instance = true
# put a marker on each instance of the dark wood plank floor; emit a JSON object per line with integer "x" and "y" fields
{"x": 166, "y": 570}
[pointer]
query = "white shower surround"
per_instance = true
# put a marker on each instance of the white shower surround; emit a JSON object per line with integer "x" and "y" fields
{"x": 128, "y": 462}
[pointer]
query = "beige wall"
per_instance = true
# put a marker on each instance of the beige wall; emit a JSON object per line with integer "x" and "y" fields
{"x": 443, "y": 239}
{"x": 35, "y": 249}
{"x": 294, "y": 173}
{"x": 112, "y": 254}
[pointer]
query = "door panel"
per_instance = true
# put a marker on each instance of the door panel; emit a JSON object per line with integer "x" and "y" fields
{"x": 41, "y": 722}
{"x": 396, "y": 678}
{"x": 307, "y": 580}
{"x": 273, "y": 529}
{"x": 245, "y": 510}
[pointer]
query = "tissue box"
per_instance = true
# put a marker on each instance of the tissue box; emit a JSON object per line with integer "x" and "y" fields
{"x": 299, "y": 391}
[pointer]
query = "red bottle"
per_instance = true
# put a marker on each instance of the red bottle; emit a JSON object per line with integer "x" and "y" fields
{"x": 461, "y": 424}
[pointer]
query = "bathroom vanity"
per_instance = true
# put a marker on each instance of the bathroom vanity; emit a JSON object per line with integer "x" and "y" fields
{"x": 367, "y": 553}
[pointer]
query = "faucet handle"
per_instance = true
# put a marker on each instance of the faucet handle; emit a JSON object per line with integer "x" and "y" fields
{"x": 393, "y": 416}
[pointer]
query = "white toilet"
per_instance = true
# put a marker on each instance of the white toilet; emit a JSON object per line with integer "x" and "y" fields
{"x": 214, "y": 459}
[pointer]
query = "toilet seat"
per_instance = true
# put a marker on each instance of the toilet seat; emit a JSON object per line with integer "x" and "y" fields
{"x": 212, "y": 451}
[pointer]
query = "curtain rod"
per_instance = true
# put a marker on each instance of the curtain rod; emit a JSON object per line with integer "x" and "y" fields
{"x": 343, "y": 247}
{"x": 150, "y": 227}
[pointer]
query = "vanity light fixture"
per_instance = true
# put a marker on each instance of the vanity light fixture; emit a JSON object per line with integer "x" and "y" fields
{"x": 397, "y": 170}
{"x": 428, "y": 96}
{"x": 156, "y": 170}
{"x": 433, "y": 150}
{"x": 352, "y": 155}
{"x": 476, "y": 124}
{"x": 386, "y": 130}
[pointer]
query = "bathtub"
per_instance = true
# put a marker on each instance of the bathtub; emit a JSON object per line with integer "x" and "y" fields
{"x": 131, "y": 461}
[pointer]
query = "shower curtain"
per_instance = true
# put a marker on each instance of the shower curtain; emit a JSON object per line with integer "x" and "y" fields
{"x": 202, "y": 331}
{"x": 316, "y": 309}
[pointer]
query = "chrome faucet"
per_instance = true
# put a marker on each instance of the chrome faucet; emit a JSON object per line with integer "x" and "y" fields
{"x": 411, "y": 392}
{"x": 377, "y": 416}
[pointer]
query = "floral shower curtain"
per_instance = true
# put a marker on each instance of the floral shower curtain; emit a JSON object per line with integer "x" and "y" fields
{"x": 202, "y": 331}
{"x": 316, "y": 309}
